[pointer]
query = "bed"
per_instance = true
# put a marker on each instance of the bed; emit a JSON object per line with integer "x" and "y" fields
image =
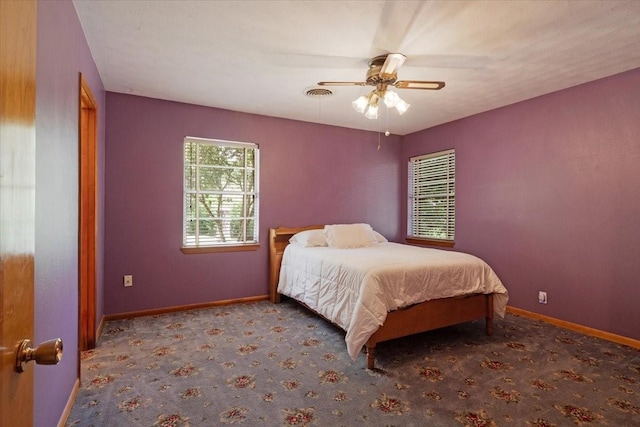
{"x": 381, "y": 291}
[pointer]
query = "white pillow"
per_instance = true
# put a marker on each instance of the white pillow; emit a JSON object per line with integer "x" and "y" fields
{"x": 350, "y": 235}
{"x": 379, "y": 237}
{"x": 309, "y": 238}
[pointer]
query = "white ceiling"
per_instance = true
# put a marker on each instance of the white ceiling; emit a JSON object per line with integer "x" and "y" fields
{"x": 262, "y": 56}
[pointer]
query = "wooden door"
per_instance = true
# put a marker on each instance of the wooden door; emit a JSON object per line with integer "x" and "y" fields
{"x": 17, "y": 203}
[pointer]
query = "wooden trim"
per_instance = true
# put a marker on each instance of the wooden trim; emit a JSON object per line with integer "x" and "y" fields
{"x": 87, "y": 100}
{"x": 67, "y": 408}
{"x": 430, "y": 242}
{"x": 165, "y": 310}
{"x": 215, "y": 249}
{"x": 618, "y": 339}
{"x": 99, "y": 329}
{"x": 88, "y": 216}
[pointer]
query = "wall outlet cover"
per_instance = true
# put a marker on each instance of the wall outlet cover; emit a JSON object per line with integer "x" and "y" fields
{"x": 542, "y": 297}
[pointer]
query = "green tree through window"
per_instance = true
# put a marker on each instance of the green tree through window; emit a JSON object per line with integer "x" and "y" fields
{"x": 221, "y": 193}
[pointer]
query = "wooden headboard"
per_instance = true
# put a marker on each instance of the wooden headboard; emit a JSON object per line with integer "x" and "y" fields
{"x": 278, "y": 240}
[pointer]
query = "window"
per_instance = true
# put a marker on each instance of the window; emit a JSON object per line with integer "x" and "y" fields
{"x": 220, "y": 193}
{"x": 432, "y": 196}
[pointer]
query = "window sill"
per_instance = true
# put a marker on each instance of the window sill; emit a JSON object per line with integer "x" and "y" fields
{"x": 430, "y": 242}
{"x": 213, "y": 249}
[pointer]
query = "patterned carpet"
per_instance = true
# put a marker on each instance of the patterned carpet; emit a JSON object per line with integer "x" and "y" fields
{"x": 274, "y": 365}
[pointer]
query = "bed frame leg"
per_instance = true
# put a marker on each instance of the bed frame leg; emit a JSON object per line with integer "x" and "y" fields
{"x": 489, "y": 317}
{"x": 371, "y": 356}
{"x": 489, "y": 326}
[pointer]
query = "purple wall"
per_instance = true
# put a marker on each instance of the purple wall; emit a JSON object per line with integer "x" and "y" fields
{"x": 62, "y": 52}
{"x": 548, "y": 192}
{"x": 309, "y": 174}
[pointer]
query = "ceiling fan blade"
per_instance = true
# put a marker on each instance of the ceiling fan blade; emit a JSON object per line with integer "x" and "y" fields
{"x": 306, "y": 60}
{"x": 475, "y": 62}
{"x": 392, "y": 63}
{"x": 398, "y": 25}
{"x": 418, "y": 84}
{"x": 342, "y": 83}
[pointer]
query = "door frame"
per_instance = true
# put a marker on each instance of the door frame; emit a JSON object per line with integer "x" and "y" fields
{"x": 88, "y": 218}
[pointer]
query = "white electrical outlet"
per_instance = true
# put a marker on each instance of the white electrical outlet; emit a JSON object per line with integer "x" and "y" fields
{"x": 128, "y": 280}
{"x": 542, "y": 297}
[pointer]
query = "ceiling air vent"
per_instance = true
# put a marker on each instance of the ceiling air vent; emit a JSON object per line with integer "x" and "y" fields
{"x": 318, "y": 92}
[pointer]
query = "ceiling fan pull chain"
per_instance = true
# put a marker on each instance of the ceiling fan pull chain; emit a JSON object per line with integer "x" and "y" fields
{"x": 378, "y": 120}
{"x": 386, "y": 132}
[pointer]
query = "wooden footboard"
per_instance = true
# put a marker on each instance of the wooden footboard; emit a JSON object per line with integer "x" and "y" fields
{"x": 431, "y": 315}
{"x": 418, "y": 318}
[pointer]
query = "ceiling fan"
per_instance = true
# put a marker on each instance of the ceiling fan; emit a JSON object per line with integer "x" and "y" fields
{"x": 382, "y": 73}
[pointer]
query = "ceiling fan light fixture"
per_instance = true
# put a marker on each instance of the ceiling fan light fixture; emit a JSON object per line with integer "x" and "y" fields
{"x": 369, "y": 104}
{"x": 360, "y": 104}
{"x": 402, "y": 106}
{"x": 383, "y": 74}
{"x": 372, "y": 112}
{"x": 391, "y": 98}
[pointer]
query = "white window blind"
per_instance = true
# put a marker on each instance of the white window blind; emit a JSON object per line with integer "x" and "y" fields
{"x": 220, "y": 193}
{"x": 432, "y": 196}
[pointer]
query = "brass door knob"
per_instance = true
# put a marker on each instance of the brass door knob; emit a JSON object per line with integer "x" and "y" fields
{"x": 47, "y": 353}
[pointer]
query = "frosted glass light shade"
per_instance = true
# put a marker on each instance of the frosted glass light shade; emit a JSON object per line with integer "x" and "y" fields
{"x": 402, "y": 106}
{"x": 372, "y": 112}
{"x": 391, "y": 99}
{"x": 360, "y": 104}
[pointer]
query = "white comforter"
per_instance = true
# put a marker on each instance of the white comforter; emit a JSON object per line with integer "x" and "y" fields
{"x": 355, "y": 288}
